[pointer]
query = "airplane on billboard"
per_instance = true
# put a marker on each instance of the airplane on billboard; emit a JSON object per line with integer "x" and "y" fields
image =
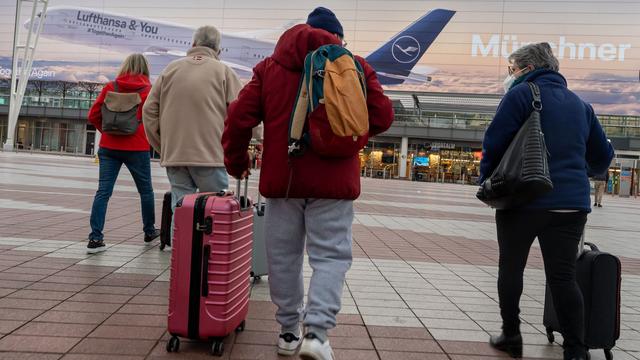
{"x": 162, "y": 42}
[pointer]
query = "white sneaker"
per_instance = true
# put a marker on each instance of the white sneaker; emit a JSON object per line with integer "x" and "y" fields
{"x": 288, "y": 343}
{"x": 313, "y": 349}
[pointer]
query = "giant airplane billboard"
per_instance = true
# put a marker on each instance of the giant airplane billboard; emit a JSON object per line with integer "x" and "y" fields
{"x": 447, "y": 46}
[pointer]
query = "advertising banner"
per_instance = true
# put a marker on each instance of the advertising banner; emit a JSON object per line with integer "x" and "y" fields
{"x": 443, "y": 46}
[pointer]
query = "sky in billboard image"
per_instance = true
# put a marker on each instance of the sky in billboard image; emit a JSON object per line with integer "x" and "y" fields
{"x": 448, "y": 46}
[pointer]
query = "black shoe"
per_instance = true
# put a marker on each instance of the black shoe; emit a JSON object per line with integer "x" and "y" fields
{"x": 512, "y": 345}
{"x": 595, "y": 204}
{"x": 150, "y": 237}
{"x": 599, "y": 205}
{"x": 95, "y": 246}
{"x": 585, "y": 356}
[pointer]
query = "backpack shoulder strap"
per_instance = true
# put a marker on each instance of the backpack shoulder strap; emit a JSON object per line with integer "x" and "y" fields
{"x": 301, "y": 106}
{"x": 361, "y": 75}
{"x": 300, "y": 111}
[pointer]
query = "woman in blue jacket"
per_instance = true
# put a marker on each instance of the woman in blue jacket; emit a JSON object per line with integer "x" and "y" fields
{"x": 577, "y": 148}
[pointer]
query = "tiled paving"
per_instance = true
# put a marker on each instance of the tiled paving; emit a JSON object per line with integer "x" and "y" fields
{"x": 422, "y": 285}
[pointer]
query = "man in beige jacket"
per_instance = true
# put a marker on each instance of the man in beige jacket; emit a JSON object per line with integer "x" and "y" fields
{"x": 184, "y": 116}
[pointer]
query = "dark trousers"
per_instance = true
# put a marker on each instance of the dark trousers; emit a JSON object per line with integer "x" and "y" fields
{"x": 139, "y": 165}
{"x": 559, "y": 235}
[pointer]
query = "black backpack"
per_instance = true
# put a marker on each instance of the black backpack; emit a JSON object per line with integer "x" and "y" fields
{"x": 119, "y": 112}
{"x": 523, "y": 172}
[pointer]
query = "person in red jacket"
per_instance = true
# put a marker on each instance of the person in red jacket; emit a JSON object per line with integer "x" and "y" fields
{"x": 130, "y": 150}
{"x": 308, "y": 196}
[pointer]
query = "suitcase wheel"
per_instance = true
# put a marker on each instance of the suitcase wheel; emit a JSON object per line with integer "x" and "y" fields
{"x": 550, "y": 336}
{"x": 173, "y": 345}
{"x": 256, "y": 278}
{"x": 217, "y": 349}
{"x": 608, "y": 354}
{"x": 240, "y": 327}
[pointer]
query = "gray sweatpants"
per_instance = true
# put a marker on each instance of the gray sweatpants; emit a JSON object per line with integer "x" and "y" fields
{"x": 326, "y": 224}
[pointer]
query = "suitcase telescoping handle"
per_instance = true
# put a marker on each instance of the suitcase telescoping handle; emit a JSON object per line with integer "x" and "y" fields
{"x": 244, "y": 199}
{"x": 260, "y": 206}
{"x": 581, "y": 243}
{"x": 584, "y": 243}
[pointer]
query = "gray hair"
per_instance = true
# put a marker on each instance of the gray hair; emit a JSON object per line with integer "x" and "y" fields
{"x": 207, "y": 36}
{"x": 539, "y": 55}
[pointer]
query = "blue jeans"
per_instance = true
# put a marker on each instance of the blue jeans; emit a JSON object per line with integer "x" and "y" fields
{"x": 139, "y": 165}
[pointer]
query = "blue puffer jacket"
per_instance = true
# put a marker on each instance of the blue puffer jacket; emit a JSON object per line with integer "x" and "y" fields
{"x": 578, "y": 147}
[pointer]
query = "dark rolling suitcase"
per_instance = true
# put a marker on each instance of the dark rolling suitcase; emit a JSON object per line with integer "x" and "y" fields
{"x": 259, "y": 258}
{"x": 165, "y": 221}
{"x": 599, "y": 276}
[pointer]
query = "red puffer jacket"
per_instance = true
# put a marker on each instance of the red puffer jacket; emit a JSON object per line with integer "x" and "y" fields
{"x": 126, "y": 84}
{"x": 269, "y": 98}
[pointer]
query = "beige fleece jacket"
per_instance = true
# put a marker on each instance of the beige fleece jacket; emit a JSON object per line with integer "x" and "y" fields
{"x": 184, "y": 113}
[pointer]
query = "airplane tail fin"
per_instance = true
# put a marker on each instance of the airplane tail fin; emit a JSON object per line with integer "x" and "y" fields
{"x": 398, "y": 56}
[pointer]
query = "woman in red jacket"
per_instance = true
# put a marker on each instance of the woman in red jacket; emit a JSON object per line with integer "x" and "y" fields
{"x": 130, "y": 150}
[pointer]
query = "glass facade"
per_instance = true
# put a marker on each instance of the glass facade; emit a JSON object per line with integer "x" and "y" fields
{"x": 427, "y": 159}
{"x": 380, "y": 159}
{"x": 50, "y": 134}
{"x": 432, "y": 161}
{"x": 56, "y": 94}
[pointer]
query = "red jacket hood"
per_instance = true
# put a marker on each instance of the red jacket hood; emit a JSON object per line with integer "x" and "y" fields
{"x": 131, "y": 83}
{"x": 294, "y": 45}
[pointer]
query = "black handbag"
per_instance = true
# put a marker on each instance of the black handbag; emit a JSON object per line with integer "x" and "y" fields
{"x": 523, "y": 172}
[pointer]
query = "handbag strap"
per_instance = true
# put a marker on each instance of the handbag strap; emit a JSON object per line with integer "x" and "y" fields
{"x": 537, "y": 100}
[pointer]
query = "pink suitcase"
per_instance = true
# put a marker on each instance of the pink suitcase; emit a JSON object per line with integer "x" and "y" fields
{"x": 210, "y": 267}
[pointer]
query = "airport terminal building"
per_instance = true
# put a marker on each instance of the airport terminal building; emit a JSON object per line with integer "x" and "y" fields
{"x": 444, "y": 61}
{"x": 435, "y": 136}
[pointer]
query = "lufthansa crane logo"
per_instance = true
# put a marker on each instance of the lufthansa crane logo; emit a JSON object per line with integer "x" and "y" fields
{"x": 405, "y": 49}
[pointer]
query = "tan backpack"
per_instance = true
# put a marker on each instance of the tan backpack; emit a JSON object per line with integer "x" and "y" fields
{"x": 120, "y": 112}
{"x": 330, "y": 115}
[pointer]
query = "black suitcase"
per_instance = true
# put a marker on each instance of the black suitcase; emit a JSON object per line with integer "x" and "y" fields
{"x": 259, "y": 265}
{"x": 599, "y": 276}
{"x": 165, "y": 224}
